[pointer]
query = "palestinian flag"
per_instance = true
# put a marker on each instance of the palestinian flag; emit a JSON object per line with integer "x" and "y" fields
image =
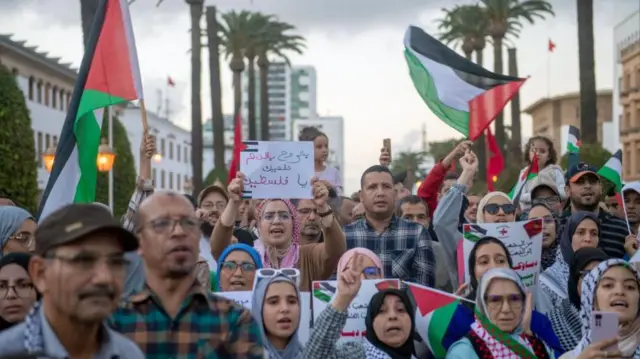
{"x": 530, "y": 173}
{"x": 109, "y": 75}
{"x": 323, "y": 291}
{"x": 473, "y": 232}
{"x": 612, "y": 170}
{"x": 573, "y": 140}
{"x": 465, "y": 96}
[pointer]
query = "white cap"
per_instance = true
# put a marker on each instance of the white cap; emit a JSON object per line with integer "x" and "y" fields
{"x": 632, "y": 186}
{"x": 544, "y": 179}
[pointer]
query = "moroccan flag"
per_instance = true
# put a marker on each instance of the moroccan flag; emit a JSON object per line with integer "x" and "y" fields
{"x": 612, "y": 170}
{"x": 551, "y": 46}
{"x": 109, "y": 75}
{"x": 238, "y": 146}
{"x": 495, "y": 164}
{"x": 530, "y": 173}
{"x": 465, "y": 96}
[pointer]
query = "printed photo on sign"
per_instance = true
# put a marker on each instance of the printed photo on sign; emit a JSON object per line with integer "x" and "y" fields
{"x": 277, "y": 169}
{"x": 354, "y": 329}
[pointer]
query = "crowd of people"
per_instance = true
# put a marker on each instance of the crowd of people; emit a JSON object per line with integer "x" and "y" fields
{"x": 82, "y": 284}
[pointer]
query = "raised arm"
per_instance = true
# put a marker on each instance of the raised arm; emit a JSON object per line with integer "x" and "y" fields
{"x": 144, "y": 184}
{"x": 335, "y": 243}
{"x": 223, "y": 230}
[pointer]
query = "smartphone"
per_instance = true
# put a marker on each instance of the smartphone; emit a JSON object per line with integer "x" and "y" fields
{"x": 386, "y": 144}
{"x": 604, "y": 325}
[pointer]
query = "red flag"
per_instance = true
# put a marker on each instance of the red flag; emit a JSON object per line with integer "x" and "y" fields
{"x": 238, "y": 146}
{"x": 170, "y": 81}
{"x": 484, "y": 108}
{"x": 552, "y": 45}
{"x": 495, "y": 164}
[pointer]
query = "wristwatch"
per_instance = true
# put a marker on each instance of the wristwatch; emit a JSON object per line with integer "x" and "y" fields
{"x": 324, "y": 214}
{"x": 145, "y": 184}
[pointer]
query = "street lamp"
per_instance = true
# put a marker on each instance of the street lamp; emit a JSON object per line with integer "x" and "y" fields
{"x": 157, "y": 157}
{"x": 106, "y": 157}
{"x": 49, "y": 156}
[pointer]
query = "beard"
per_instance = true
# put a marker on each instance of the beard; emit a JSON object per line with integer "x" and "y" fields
{"x": 206, "y": 229}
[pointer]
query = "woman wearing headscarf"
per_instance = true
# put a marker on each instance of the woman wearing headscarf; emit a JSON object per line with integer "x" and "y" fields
{"x": 372, "y": 269}
{"x": 612, "y": 286}
{"x": 582, "y": 230}
{"x": 565, "y": 318}
{"x": 499, "y": 330}
{"x": 17, "y": 293}
{"x": 549, "y": 232}
{"x": 279, "y": 234}
{"x": 237, "y": 267}
{"x": 17, "y": 228}
{"x": 389, "y": 322}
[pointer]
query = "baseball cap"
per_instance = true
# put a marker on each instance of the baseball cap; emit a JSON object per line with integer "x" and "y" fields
{"x": 212, "y": 189}
{"x": 544, "y": 180}
{"x": 76, "y": 221}
{"x": 632, "y": 186}
{"x": 576, "y": 171}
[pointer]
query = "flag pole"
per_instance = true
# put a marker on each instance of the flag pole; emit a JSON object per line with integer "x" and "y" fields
{"x": 548, "y": 74}
{"x": 110, "y": 119}
{"x": 143, "y": 112}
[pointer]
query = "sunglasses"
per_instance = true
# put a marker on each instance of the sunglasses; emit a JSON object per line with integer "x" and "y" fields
{"x": 245, "y": 267}
{"x": 515, "y": 301}
{"x": 265, "y": 273}
{"x": 371, "y": 272}
{"x": 493, "y": 208}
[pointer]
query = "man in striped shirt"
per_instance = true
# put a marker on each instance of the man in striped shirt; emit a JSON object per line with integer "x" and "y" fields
{"x": 584, "y": 191}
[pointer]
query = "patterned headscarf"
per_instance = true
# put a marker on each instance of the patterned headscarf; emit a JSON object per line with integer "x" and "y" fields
{"x": 485, "y": 200}
{"x": 271, "y": 256}
{"x": 11, "y": 219}
{"x": 629, "y": 338}
{"x": 548, "y": 254}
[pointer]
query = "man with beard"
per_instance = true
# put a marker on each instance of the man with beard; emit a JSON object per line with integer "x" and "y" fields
{"x": 174, "y": 316}
{"x": 211, "y": 202}
{"x": 79, "y": 268}
{"x": 584, "y": 190}
{"x": 309, "y": 221}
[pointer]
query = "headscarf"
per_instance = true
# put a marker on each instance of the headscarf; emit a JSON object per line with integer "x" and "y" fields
{"x": 500, "y": 344}
{"x": 294, "y": 349}
{"x": 565, "y": 317}
{"x": 270, "y": 255}
{"x": 21, "y": 259}
{"x": 471, "y": 261}
{"x": 11, "y": 219}
{"x": 232, "y": 248}
{"x": 629, "y": 338}
{"x": 485, "y": 200}
{"x": 346, "y": 257}
{"x": 548, "y": 254}
{"x": 557, "y": 276}
{"x": 374, "y": 347}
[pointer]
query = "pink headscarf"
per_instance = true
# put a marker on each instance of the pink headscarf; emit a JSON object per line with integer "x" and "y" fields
{"x": 268, "y": 253}
{"x": 346, "y": 257}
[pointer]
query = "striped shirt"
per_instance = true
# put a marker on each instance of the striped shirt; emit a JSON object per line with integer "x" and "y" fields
{"x": 613, "y": 232}
{"x": 404, "y": 248}
{"x": 206, "y": 327}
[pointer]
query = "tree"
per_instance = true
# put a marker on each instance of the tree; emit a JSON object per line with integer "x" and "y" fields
{"x": 505, "y": 18}
{"x": 588, "y": 96}
{"x": 440, "y": 149}
{"x": 124, "y": 169}
{"x": 18, "y": 177}
{"x": 196, "y": 10}
{"x": 217, "y": 119}
{"x": 410, "y": 162}
{"x": 216, "y": 175}
{"x": 515, "y": 149}
{"x": 591, "y": 153}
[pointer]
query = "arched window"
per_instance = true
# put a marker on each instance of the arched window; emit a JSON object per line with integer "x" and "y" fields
{"x": 47, "y": 93}
{"x": 32, "y": 84}
{"x": 39, "y": 92}
{"x": 54, "y": 97}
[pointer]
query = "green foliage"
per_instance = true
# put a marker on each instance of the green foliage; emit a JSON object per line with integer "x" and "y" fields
{"x": 18, "y": 176}
{"x": 440, "y": 149}
{"x": 216, "y": 174}
{"x": 593, "y": 154}
{"x": 508, "y": 178}
{"x": 403, "y": 161}
{"x": 124, "y": 170}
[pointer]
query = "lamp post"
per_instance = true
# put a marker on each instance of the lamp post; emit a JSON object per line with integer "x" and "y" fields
{"x": 49, "y": 156}
{"x": 106, "y": 156}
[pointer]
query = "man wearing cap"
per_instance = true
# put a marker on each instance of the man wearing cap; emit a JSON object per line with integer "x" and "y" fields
{"x": 79, "y": 267}
{"x": 543, "y": 189}
{"x": 211, "y": 202}
{"x": 584, "y": 191}
{"x": 631, "y": 195}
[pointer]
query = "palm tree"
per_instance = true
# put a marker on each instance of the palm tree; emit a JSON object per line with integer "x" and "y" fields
{"x": 516, "y": 132}
{"x": 411, "y": 163}
{"x": 588, "y": 107}
{"x": 213, "y": 43}
{"x": 274, "y": 41}
{"x": 505, "y": 17}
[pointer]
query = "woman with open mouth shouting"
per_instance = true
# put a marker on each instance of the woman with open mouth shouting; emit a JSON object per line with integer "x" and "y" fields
{"x": 279, "y": 234}
{"x": 237, "y": 267}
{"x": 612, "y": 286}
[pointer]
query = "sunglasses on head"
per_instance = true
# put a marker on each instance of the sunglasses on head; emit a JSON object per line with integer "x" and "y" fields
{"x": 493, "y": 208}
{"x": 265, "y": 273}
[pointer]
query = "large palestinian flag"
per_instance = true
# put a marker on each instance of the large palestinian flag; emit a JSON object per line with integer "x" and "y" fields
{"x": 465, "y": 96}
{"x": 109, "y": 75}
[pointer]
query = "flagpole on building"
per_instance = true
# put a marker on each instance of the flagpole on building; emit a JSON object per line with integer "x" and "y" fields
{"x": 110, "y": 119}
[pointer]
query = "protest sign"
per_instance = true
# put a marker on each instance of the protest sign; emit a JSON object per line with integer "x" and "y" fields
{"x": 522, "y": 239}
{"x": 354, "y": 329}
{"x": 244, "y": 299}
{"x": 277, "y": 169}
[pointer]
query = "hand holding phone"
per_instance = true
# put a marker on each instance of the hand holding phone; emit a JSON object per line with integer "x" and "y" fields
{"x": 604, "y": 326}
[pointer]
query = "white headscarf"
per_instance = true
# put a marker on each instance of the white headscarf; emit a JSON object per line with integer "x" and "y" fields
{"x": 483, "y": 202}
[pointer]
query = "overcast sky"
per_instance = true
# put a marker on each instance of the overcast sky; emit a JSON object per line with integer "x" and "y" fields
{"x": 356, "y": 47}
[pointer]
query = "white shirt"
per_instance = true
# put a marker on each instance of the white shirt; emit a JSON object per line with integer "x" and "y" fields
{"x": 205, "y": 252}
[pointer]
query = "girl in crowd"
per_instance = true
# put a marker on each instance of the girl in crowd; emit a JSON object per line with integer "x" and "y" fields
{"x": 372, "y": 268}
{"x": 565, "y": 318}
{"x": 279, "y": 234}
{"x": 549, "y": 232}
{"x": 237, "y": 267}
{"x": 320, "y": 155}
{"x": 612, "y": 286}
{"x": 542, "y": 147}
{"x": 17, "y": 228}
{"x": 499, "y": 330}
{"x": 17, "y": 293}
{"x": 389, "y": 322}
{"x": 582, "y": 230}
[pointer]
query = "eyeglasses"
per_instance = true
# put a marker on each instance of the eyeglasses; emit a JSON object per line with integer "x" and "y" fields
{"x": 497, "y": 301}
{"x": 164, "y": 225}
{"x": 371, "y": 272}
{"x": 210, "y": 205}
{"x": 24, "y": 238}
{"x": 22, "y": 289}
{"x": 493, "y": 208}
{"x": 307, "y": 211}
{"x": 233, "y": 266}
{"x": 271, "y": 216}
{"x": 88, "y": 262}
{"x": 550, "y": 201}
{"x": 265, "y": 273}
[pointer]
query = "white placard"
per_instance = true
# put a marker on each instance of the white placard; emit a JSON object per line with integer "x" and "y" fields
{"x": 522, "y": 239}
{"x": 277, "y": 169}
{"x": 325, "y": 291}
{"x": 244, "y": 298}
